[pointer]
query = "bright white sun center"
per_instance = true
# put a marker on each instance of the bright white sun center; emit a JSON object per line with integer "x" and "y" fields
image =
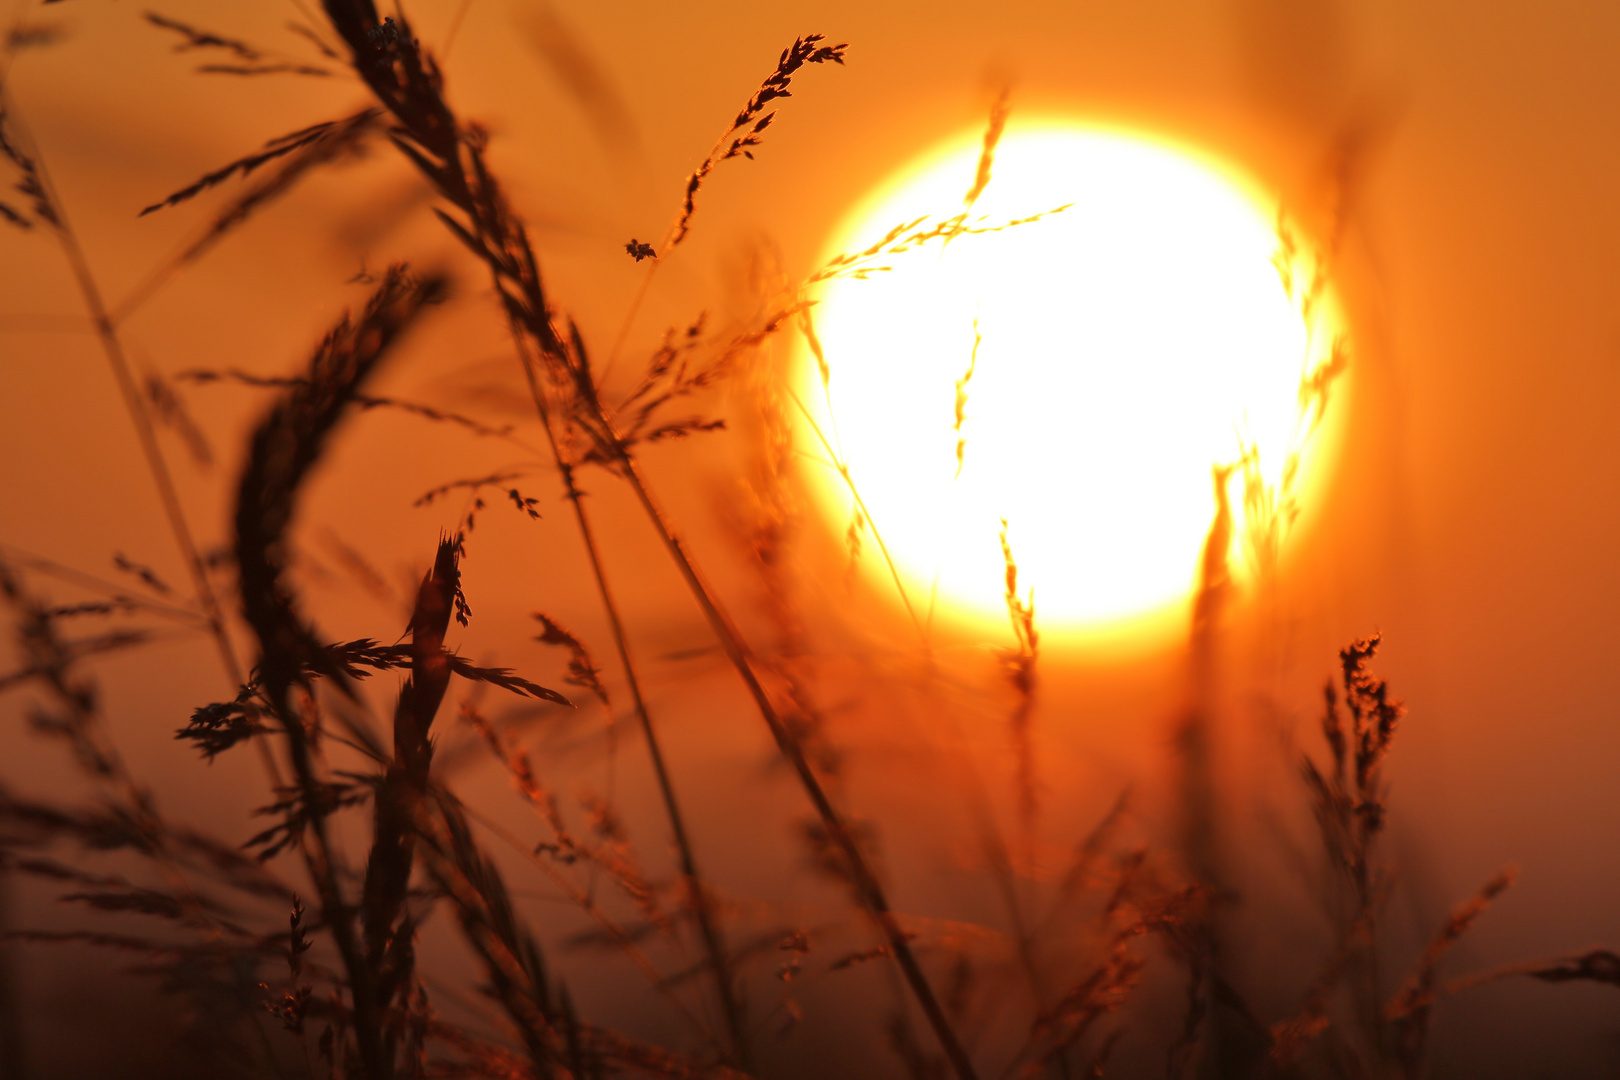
{"x": 1120, "y": 350}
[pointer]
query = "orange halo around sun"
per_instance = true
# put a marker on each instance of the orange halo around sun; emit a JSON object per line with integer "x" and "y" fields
{"x": 1120, "y": 349}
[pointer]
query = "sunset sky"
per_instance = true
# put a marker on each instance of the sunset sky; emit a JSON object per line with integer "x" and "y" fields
{"x": 1471, "y": 152}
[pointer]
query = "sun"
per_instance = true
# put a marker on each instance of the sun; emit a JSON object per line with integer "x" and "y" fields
{"x": 1072, "y": 381}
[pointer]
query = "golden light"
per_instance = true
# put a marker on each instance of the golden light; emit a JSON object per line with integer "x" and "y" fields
{"x": 1091, "y": 368}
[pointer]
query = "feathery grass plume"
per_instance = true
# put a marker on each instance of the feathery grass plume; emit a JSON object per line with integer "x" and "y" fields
{"x": 286, "y": 445}
{"x": 217, "y": 727}
{"x": 582, "y": 670}
{"x": 469, "y": 517}
{"x": 673, "y": 373}
{"x": 914, "y": 234}
{"x": 748, "y": 127}
{"x": 352, "y": 659}
{"x": 1348, "y": 802}
{"x": 1348, "y": 799}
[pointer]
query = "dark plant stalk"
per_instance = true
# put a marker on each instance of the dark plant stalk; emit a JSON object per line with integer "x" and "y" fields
{"x": 112, "y": 347}
{"x": 285, "y": 445}
{"x": 868, "y": 890}
{"x": 1020, "y": 664}
{"x": 389, "y": 928}
{"x": 408, "y": 84}
{"x": 426, "y": 118}
{"x": 702, "y": 909}
{"x": 588, "y": 904}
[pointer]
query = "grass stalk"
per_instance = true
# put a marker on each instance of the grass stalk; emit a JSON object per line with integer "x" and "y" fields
{"x": 408, "y": 84}
{"x": 842, "y": 468}
{"x": 449, "y": 154}
{"x": 868, "y": 889}
{"x": 112, "y": 348}
{"x": 702, "y": 909}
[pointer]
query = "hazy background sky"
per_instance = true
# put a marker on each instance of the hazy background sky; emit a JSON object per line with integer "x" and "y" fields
{"x": 1472, "y": 518}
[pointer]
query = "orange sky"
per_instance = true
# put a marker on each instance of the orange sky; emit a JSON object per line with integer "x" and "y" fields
{"x": 1471, "y": 520}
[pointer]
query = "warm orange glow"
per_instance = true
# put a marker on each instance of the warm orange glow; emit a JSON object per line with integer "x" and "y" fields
{"x": 1125, "y": 346}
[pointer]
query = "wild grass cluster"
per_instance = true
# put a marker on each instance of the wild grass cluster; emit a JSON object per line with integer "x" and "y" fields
{"x": 299, "y": 933}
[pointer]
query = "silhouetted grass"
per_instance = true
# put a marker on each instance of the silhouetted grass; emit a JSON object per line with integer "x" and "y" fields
{"x": 336, "y": 987}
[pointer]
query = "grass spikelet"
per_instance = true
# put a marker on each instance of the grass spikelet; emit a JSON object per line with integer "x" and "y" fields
{"x": 145, "y": 574}
{"x": 582, "y": 670}
{"x": 748, "y": 126}
{"x": 289, "y": 442}
{"x": 987, "y": 153}
{"x": 961, "y": 405}
{"x": 29, "y": 183}
{"x": 913, "y": 235}
{"x": 279, "y": 147}
{"x": 170, "y": 410}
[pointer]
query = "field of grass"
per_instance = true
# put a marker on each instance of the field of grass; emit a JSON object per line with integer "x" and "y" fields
{"x": 654, "y": 910}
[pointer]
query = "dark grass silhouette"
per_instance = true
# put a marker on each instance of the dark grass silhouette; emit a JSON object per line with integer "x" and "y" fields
{"x": 320, "y": 939}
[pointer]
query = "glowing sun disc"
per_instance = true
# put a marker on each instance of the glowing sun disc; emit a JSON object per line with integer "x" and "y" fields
{"x": 1120, "y": 349}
